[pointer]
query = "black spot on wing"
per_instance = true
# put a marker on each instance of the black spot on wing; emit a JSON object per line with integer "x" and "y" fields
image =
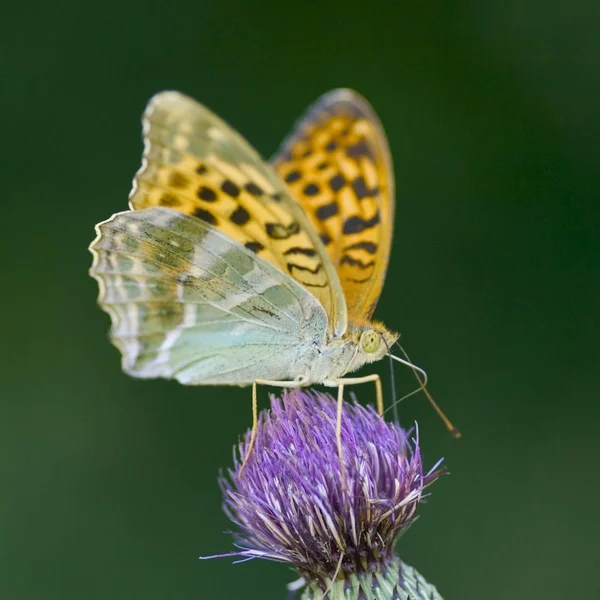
{"x": 369, "y": 247}
{"x": 230, "y": 188}
{"x": 312, "y": 189}
{"x": 298, "y": 250}
{"x": 325, "y": 239}
{"x": 292, "y": 266}
{"x": 357, "y": 224}
{"x": 254, "y": 246}
{"x": 337, "y": 182}
{"x": 326, "y": 211}
{"x": 359, "y": 150}
{"x": 240, "y": 216}
{"x": 356, "y": 262}
{"x": 207, "y": 194}
{"x": 253, "y": 189}
{"x": 279, "y": 231}
{"x": 359, "y": 185}
{"x": 205, "y": 215}
{"x": 293, "y": 176}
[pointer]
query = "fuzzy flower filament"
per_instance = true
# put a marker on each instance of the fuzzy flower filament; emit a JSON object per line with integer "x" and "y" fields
{"x": 291, "y": 504}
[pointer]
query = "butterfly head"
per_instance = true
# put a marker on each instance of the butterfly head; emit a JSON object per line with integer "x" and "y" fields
{"x": 372, "y": 342}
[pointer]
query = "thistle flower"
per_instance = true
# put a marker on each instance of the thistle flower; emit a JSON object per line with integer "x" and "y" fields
{"x": 292, "y": 506}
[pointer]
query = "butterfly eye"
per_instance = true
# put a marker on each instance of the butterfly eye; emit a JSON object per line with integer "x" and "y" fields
{"x": 370, "y": 341}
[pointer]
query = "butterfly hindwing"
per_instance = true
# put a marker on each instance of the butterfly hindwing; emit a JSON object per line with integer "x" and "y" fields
{"x": 337, "y": 164}
{"x": 187, "y": 301}
{"x": 196, "y": 164}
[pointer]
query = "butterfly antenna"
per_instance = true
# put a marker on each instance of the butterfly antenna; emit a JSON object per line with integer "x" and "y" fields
{"x": 422, "y": 380}
{"x": 394, "y": 406}
{"x": 421, "y": 383}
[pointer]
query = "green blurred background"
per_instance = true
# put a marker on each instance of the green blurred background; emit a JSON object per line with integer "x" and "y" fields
{"x": 108, "y": 485}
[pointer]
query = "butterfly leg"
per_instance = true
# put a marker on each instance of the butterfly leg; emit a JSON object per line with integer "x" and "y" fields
{"x": 339, "y": 383}
{"x": 255, "y": 383}
{"x": 365, "y": 379}
{"x": 338, "y": 434}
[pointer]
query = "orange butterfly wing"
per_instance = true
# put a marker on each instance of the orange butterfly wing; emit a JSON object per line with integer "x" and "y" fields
{"x": 198, "y": 165}
{"x": 337, "y": 164}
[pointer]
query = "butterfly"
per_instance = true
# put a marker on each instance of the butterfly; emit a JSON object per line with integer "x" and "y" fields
{"x": 231, "y": 270}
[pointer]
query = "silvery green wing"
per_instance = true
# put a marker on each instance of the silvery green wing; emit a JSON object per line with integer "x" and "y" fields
{"x": 188, "y": 302}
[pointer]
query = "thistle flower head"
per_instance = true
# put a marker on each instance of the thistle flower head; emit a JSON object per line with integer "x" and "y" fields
{"x": 291, "y": 503}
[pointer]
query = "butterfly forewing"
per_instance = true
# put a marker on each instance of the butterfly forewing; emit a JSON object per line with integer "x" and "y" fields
{"x": 197, "y": 165}
{"x": 337, "y": 164}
